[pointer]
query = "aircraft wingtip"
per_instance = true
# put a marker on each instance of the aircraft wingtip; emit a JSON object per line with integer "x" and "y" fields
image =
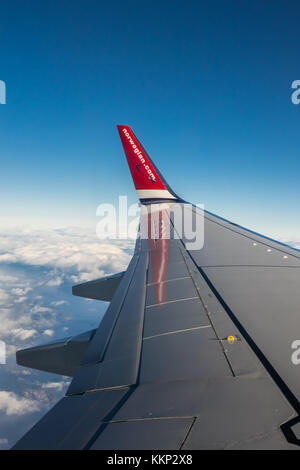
{"x": 149, "y": 183}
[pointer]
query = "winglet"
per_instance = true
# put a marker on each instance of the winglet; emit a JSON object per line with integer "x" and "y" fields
{"x": 150, "y": 185}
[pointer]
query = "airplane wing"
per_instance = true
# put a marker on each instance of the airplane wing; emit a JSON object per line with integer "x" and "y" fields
{"x": 195, "y": 350}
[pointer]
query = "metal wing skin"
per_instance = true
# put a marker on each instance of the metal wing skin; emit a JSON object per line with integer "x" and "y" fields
{"x": 194, "y": 351}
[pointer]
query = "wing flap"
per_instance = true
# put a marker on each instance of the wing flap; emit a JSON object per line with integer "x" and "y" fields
{"x": 100, "y": 289}
{"x": 59, "y": 357}
{"x": 120, "y": 362}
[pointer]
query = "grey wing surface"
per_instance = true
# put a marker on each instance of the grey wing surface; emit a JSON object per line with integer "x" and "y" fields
{"x": 194, "y": 351}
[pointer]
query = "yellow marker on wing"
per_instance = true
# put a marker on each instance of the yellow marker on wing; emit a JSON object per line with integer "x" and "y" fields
{"x": 230, "y": 339}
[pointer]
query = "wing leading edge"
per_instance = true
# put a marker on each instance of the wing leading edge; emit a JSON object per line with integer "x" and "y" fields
{"x": 193, "y": 351}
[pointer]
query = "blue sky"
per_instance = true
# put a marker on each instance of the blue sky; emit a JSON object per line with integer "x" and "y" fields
{"x": 206, "y": 86}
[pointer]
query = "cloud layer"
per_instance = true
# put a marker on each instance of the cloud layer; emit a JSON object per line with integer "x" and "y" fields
{"x": 63, "y": 255}
{"x": 12, "y": 404}
{"x": 68, "y": 250}
{"x": 37, "y": 269}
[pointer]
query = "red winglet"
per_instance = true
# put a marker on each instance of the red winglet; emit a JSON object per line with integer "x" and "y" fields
{"x": 148, "y": 182}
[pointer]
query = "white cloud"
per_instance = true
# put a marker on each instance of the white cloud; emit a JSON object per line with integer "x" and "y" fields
{"x": 25, "y": 372}
{"x": 23, "y": 334}
{"x": 48, "y": 332}
{"x": 20, "y": 300}
{"x": 6, "y": 278}
{"x": 45, "y": 260}
{"x": 28, "y": 309}
{"x": 10, "y": 351}
{"x": 21, "y": 291}
{"x": 15, "y": 325}
{"x": 66, "y": 254}
{"x": 12, "y": 404}
{"x": 68, "y": 250}
{"x": 40, "y": 309}
{"x": 59, "y": 302}
{"x": 3, "y": 442}
{"x": 59, "y": 386}
{"x": 3, "y": 296}
{"x": 55, "y": 282}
